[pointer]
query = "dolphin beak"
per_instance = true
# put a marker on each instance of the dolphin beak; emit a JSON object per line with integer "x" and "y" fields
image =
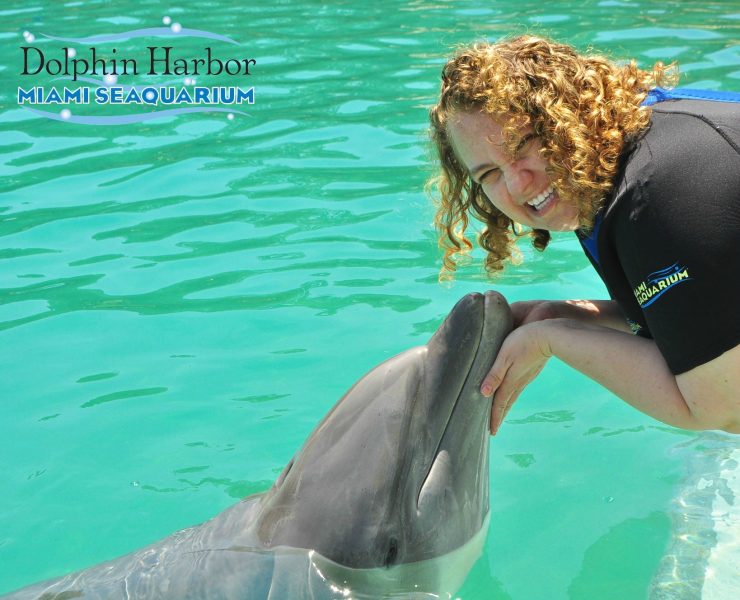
{"x": 462, "y": 442}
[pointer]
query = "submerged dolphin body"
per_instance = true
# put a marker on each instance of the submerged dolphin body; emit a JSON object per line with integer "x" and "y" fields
{"x": 389, "y": 488}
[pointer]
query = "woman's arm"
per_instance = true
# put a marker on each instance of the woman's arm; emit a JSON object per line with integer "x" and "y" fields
{"x": 706, "y": 397}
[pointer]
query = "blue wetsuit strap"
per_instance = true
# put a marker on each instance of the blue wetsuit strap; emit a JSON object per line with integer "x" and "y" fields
{"x": 590, "y": 242}
{"x": 659, "y": 94}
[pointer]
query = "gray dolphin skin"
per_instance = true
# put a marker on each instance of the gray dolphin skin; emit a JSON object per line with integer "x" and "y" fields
{"x": 388, "y": 497}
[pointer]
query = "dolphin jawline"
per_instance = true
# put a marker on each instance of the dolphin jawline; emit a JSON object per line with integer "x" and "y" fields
{"x": 487, "y": 348}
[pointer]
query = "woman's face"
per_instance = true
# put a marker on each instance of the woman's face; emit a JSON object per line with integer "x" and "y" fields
{"x": 518, "y": 186}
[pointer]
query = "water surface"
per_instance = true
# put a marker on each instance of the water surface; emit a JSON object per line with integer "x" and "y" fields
{"x": 181, "y": 300}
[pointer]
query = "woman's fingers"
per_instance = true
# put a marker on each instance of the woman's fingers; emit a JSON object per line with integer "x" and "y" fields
{"x": 513, "y": 398}
{"x": 506, "y": 385}
{"x": 518, "y": 362}
{"x": 500, "y": 409}
{"x": 505, "y": 397}
{"x": 492, "y": 381}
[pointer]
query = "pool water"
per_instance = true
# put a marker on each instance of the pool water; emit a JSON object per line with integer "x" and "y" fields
{"x": 182, "y": 299}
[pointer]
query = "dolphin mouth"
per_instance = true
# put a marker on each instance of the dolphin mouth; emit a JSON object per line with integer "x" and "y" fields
{"x": 497, "y": 323}
{"x": 482, "y": 359}
{"x": 488, "y": 340}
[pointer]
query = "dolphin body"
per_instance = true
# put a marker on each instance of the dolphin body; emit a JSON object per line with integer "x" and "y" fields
{"x": 388, "y": 497}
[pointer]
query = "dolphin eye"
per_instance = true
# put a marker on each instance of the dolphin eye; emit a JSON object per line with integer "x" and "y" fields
{"x": 392, "y": 555}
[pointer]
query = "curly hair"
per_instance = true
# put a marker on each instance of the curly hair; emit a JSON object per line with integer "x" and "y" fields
{"x": 583, "y": 108}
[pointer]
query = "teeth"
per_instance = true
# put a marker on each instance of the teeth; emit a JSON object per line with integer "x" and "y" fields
{"x": 539, "y": 200}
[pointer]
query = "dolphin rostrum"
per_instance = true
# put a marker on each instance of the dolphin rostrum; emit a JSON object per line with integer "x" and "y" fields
{"x": 388, "y": 497}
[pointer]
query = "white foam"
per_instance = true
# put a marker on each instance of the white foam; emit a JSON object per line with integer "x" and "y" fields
{"x": 702, "y": 561}
{"x": 722, "y": 576}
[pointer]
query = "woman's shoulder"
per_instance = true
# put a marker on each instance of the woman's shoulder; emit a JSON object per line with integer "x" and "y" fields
{"x": 681, "y": 178}
{"x": 694, "y": 125}
{"x": 722, "y": 118}
{"x": 690, "y": 150}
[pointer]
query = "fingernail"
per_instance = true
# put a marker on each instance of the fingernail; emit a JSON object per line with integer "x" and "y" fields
{"x": 486, "y": 390}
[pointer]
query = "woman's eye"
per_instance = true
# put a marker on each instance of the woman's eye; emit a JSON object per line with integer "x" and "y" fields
{"x": 490, "y": 175}
{"x": 523, "y": 143}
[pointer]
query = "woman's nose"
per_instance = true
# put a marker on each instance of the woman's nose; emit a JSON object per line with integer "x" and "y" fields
{"x": 519, "y": 182}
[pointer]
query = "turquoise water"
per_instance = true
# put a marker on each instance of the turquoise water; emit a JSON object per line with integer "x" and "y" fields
{"x": 181, "y": 300}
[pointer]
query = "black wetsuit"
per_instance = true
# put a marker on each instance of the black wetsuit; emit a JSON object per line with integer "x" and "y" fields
{"x": 667, "y": 244}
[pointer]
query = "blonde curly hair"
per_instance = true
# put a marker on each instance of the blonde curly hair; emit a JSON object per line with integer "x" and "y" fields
{"x": 583, "y": 108}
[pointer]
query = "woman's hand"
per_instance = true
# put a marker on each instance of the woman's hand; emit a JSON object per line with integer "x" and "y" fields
{"x": 520, "y": 359}
{"x": 527, "y": 348}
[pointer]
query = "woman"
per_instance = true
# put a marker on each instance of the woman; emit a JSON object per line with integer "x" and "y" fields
{"x": 530, "y": 133}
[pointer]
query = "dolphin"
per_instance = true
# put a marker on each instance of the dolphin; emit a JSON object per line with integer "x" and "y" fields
{"x": 388, "y": 496}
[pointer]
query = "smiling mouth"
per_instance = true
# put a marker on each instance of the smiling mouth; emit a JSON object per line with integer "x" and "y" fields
{"x": 542, "y": 200}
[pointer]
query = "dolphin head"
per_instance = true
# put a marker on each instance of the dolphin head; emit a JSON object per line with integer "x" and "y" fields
{"x": 397, "y": 471}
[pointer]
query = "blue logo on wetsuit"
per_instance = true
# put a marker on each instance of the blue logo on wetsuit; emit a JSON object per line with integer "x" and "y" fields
{"x": 658, "y": 283}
